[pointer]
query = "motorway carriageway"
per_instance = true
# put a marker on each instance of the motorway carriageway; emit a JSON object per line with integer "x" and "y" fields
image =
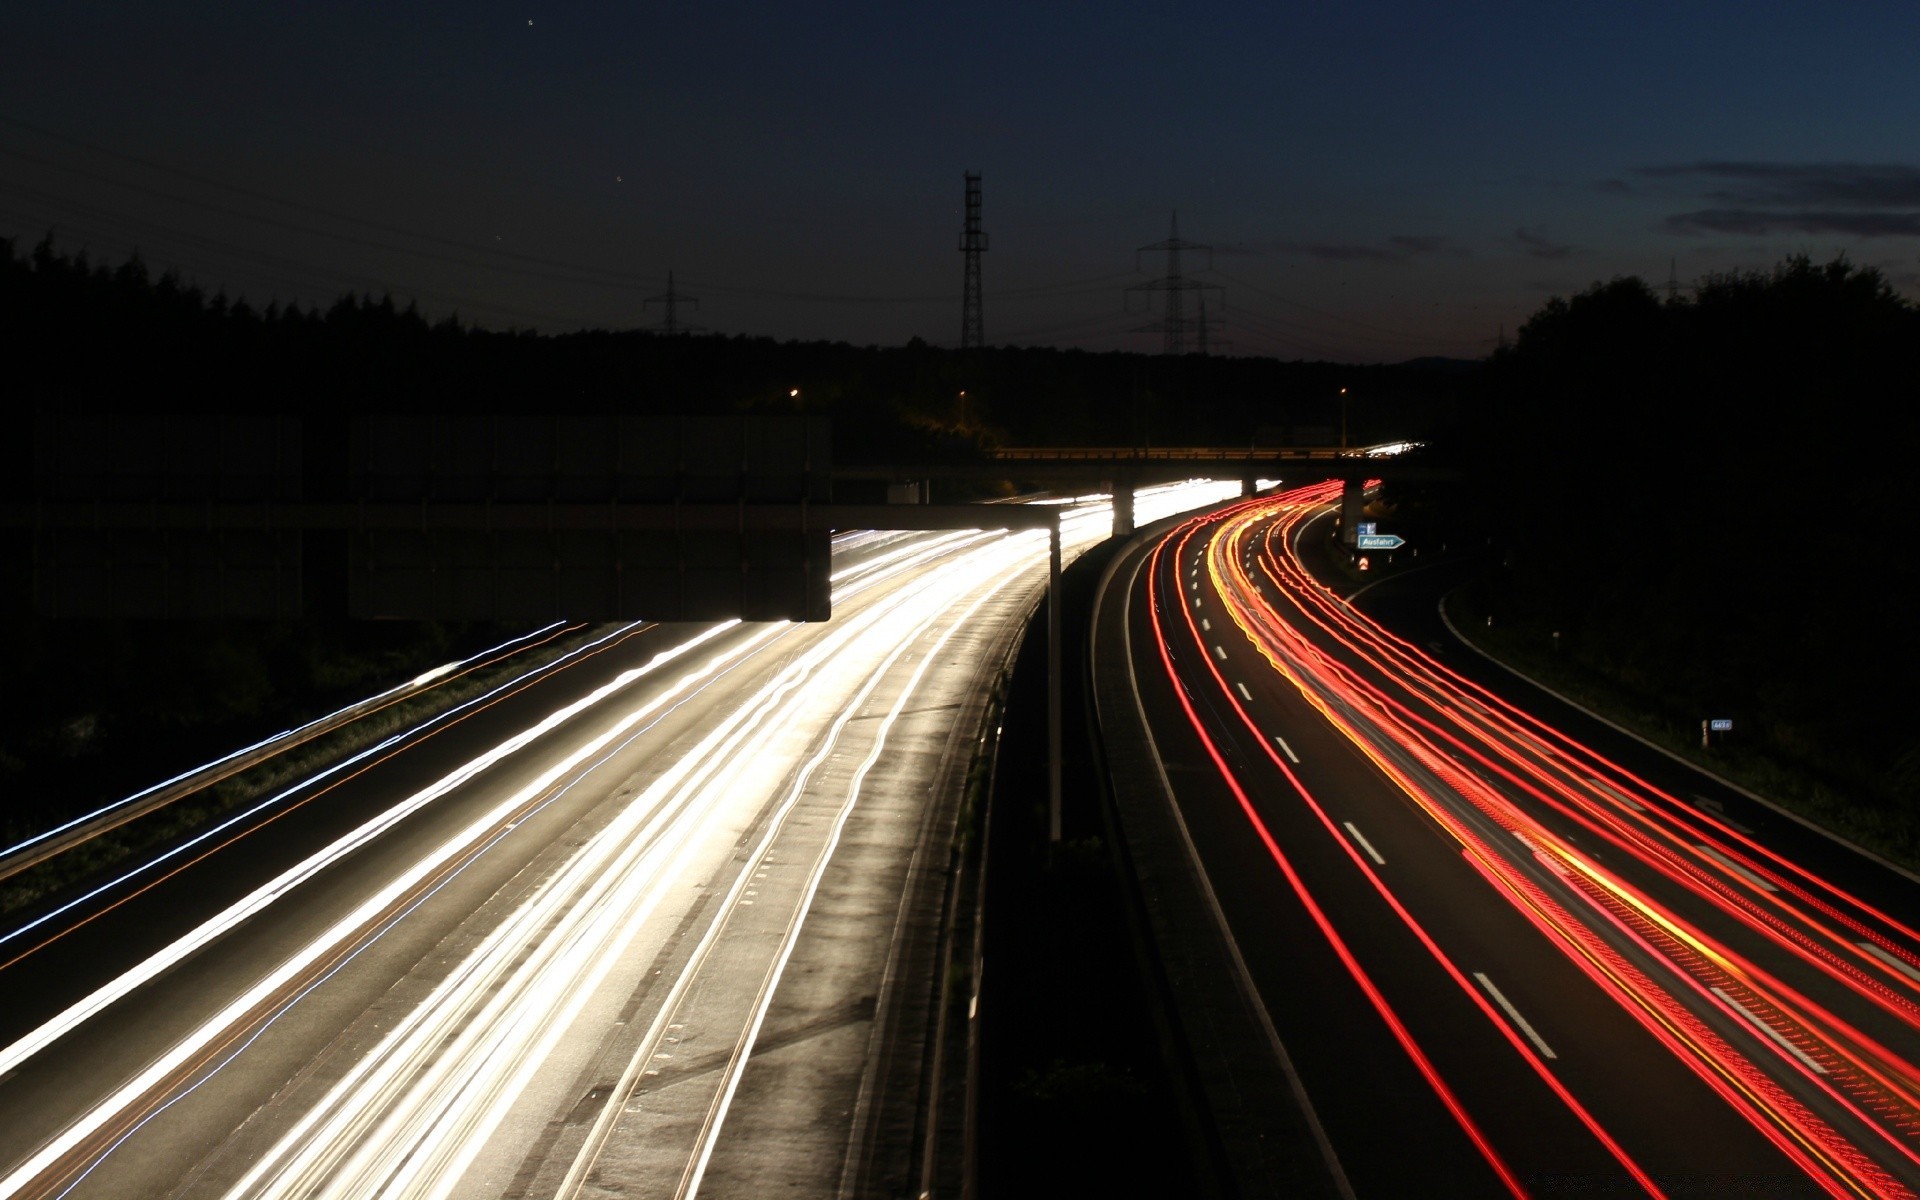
{"x": 642, "y": 923}
{"x": 1495, "y": 961}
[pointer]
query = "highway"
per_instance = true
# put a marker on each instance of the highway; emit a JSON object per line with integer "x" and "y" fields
{"x": 659, "y": 918}
{"x": 1484, "y": 957}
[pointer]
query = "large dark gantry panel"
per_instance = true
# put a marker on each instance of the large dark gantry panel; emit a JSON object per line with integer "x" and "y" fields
{"x": 400, "y": 516}
{"x": 516, "y": 518}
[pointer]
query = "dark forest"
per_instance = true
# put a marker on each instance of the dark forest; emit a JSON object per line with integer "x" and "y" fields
{"x": 1699, "y": 492}
{"x": 1704, "y": 495}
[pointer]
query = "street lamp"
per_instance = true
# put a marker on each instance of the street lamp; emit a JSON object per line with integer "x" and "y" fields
{"x": 1343, "y": 419}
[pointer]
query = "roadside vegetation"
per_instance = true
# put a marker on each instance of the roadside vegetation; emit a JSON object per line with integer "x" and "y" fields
{"x": 90, "y": 712}
{"x": 1696, "y": 505}
{"x": 42, "y": 774}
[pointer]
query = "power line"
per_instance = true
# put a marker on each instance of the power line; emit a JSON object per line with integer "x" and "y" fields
{"x": 670, "y": 324}
{"x": 1174, "y": 286}
{"x": 973, "y": 243}
{"x": 1318, "y": 312}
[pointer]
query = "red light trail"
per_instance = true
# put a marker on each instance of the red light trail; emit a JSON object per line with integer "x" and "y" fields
{"x": 1735, "y": 960}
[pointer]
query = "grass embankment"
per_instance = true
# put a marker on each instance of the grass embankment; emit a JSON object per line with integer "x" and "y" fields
{"x": 198, "y": 810}
{"x": 1888, "y": 829}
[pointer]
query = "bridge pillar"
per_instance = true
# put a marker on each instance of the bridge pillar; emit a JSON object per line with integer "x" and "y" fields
{"x": 1353, "y": 503}
{"x": 1122, "y": 492}
{"x": 1248, "y": 487}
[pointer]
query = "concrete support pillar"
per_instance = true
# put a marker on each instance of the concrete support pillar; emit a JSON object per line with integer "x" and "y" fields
{"x": 1353, "y": 503}
{"x": 1054, "y": 684}
{"x": 1248, "y": 487}
{"x": 1122, "y": 491}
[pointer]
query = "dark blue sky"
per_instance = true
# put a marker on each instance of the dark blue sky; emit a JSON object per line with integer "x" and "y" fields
{"x": 1379, "y": 180}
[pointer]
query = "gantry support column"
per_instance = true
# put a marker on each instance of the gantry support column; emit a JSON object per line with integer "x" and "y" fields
{"x": 1353, "y": 503}
{"x": 1122, "y": 492}
{"x": 1054, "y": 601}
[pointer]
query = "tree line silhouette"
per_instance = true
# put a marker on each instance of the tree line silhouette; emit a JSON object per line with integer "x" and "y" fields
{"x": 1706, "y": 496}
{"x": 94, "y": 710}
{"x": 121, "y": 337}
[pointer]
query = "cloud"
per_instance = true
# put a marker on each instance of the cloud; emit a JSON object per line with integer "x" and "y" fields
{"x": 1398, "y": 248}
{"x": 1539, "y": 245}
{"x": 1755, "y": 199}
{"x": 1769, "y": 185}
{"x": 1755, "y": 222}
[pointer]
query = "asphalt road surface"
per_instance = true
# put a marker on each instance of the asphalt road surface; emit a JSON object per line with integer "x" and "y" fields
{"x": 657, "y": 919}
{"x": 1484, "y": 951}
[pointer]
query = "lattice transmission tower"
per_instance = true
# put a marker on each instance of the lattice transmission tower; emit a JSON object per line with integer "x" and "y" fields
{"x": 973, "y": 243}
{"x": 670, "y": 323}
{"x": 1174, "y": 324}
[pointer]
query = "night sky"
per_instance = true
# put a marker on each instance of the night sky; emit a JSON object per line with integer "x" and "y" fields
{"x": 1378, "y": 180}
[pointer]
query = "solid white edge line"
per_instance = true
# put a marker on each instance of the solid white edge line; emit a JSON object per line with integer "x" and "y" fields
{"x": 1513, "y": 1013}
{"x": 751, "y": 1035}
{"x": 1769, "y": 1030}
{"x": 1365, "y": 844}
{"x": 1872, "y": 855}
{"x": 1329, "y": 1156}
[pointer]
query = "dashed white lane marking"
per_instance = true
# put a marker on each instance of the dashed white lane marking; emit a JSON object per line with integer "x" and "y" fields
{"x": 1899, "y": 964}
{"x": 1364, "y": 843}
{"x": 1769, "y": 1030}
{"x": 1719, "y": 811}
{"x": 1220, "y": 654}
{"x": 1534, "y": 743}
{"x": 1525, "y": 840}
{"x": 1736, "y": 868}
{"x": 1206, "y": 626}
{"x": 1196, "y": 602}
{"x": 1288, "y": 749}
{"x": 1514, "y": 1014}
{"x": 1244, "y": 693}
{"x": 1617, "y": 794}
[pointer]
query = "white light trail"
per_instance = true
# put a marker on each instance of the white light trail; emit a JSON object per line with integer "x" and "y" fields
{"x": 411, "y": 1116}
{"x": 265, "y": 742}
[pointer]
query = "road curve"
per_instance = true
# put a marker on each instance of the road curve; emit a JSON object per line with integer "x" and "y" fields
{"x": 1488, "y": 958}
{"x": 651, "y": 923}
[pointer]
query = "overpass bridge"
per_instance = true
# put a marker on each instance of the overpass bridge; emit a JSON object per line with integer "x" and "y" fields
{"x": 508, "y": 517}
{"x": 1119, "y": 469}
{"x": 517, "y": 518}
